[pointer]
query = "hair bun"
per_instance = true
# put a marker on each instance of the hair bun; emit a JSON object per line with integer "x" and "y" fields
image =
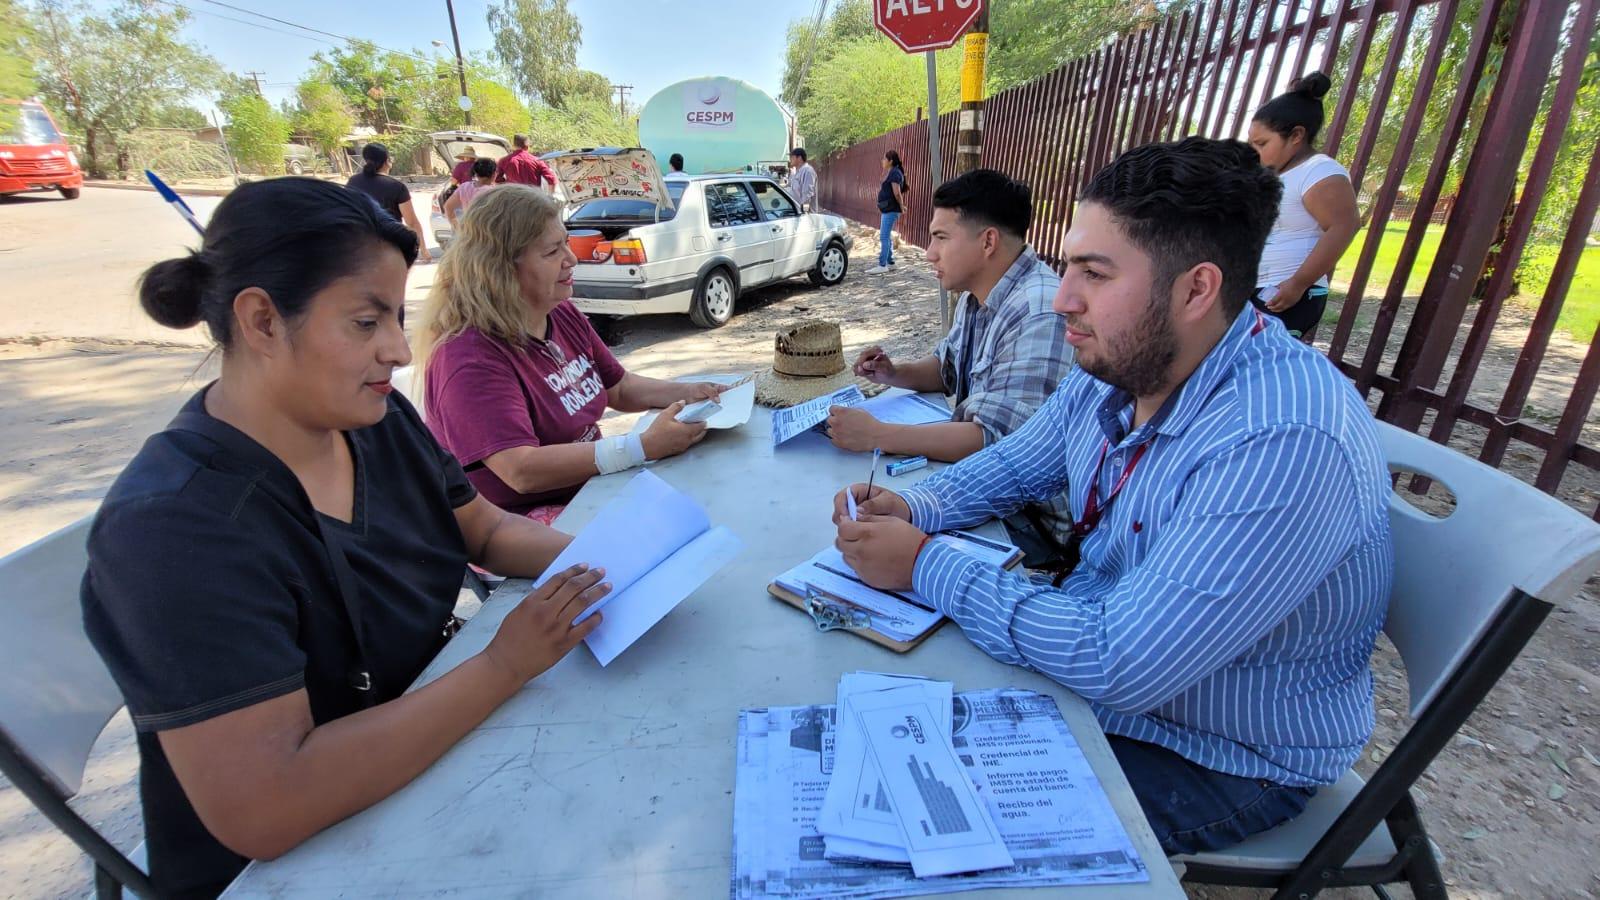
{"x": 171, "y": 291}
{"x": 1314, "y": 85}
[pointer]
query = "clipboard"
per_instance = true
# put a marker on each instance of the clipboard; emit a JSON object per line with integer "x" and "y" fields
{"x": 799, "y": 603}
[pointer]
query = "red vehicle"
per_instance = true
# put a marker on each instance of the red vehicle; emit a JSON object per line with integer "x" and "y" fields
{"x": 33, "y": 154}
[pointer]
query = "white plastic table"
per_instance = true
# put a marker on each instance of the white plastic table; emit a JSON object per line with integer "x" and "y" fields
{"x": 617, "y": 782}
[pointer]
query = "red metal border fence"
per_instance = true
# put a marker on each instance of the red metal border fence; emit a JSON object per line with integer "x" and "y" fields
{"x": 1509, "y": 98}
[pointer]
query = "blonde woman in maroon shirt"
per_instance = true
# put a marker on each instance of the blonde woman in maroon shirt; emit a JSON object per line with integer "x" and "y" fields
{"x": 516, "y": 379}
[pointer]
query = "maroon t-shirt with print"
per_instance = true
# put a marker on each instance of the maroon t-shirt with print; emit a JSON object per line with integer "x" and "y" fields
{"x": 485, "y": 395}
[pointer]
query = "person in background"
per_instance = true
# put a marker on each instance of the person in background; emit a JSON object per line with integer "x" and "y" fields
{"x": 1004, "y": 355}
{"x": 270, "y": 573}
{"x": 391, "y": 194}
{"x": 482, "y": 179}
{"x": 462, "y": 173}
{"x": 515, "y": 377}
{"x": 1232, "y": 503}
{"x": 1318, "y": 219}
{"x": 802, "y": 180}
{"x": 675, "y": 167}
{"x": 521, "y": 167}
{"x": 891, "y": 201}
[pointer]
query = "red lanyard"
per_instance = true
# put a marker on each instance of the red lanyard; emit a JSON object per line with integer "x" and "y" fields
{"x": 1092, "y": 510}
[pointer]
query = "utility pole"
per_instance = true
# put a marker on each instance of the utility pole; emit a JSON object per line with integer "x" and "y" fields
{"x": 461, "y": 67}
{"x": 256, "y": 77}
{"x": 969, "y": 127}
{"x": 622, "y": 97}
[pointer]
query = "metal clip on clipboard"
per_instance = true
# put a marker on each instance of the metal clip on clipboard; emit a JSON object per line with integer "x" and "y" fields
{"x": 832, "y": 613}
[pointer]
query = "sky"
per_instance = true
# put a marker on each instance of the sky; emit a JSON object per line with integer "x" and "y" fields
{"x": 645, "y": 43}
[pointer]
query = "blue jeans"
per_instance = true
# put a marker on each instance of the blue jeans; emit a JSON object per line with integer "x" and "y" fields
{"x": 886, "y": 239}
{"x": 1193, "y": 809}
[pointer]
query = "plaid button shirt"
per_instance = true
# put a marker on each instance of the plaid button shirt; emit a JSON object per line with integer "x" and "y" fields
{"x": 1004, "y": 357}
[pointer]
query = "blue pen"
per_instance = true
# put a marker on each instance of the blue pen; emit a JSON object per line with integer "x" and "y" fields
{"x": 171, "y": 196}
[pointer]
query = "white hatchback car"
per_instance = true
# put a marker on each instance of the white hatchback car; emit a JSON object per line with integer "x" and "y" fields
{"x": 686, "y": 245}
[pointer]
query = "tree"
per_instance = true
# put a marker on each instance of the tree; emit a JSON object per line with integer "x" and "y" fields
{"x": 537, "y": 40}
{"x": 322, "y": 114}
{"x": 16, "y": 62}
{"x": 850, "y": 19}
{"x": 583, "y": 122}
{"x": 1020, "y": 50}
{"x": 110, "y": 72}
{"x": 496, "y": 109}
{"x": 256, "y": 131}
{"x": 870, "y": 86}
{"x": 177, "y": 115}
{"x": 381, "y": 87}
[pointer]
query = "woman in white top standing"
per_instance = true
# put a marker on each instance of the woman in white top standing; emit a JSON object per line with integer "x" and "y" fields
{"x": 1318, "y": 217}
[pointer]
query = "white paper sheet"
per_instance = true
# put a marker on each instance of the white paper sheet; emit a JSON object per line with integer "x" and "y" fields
{"x": 785, "y": 759}
{"x": 633, "y": 537}
{"x": 857, "y": 819}
{"x": 660, "y": 590}
{"x": 947, "y": 827}
{"x": 786, "y": 423}
{"x": 736, "y": 403}
{"x": 906, "y": 409}
{"x": 893, "y": 615}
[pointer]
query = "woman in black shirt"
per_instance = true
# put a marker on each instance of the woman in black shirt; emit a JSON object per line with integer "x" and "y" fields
{"x": 891, "y": 202}
{"x": 270, "y": 573}
{"x": 391, "y": 194}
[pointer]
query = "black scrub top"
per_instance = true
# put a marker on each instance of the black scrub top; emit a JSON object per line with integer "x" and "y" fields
{"x": 214, "y": 585}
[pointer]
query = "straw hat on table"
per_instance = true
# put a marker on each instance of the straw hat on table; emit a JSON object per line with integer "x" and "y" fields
{"x": 807, "y": 362}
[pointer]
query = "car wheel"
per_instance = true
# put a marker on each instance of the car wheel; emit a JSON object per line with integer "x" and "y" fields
{"x": 71, "y": 193}
{"x": 831, "y": 265}
{"x": 296, "y": 167}
{"x": 713, "y": 299}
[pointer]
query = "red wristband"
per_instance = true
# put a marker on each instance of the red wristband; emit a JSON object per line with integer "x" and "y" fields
{"x": 923, "y": 543}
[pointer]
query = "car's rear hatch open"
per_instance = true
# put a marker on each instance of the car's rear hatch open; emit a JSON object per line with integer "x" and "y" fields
{"x": 609, "y": 191}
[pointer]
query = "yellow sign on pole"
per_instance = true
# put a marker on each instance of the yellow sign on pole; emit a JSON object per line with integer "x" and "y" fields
{"x": 972, "y": 66}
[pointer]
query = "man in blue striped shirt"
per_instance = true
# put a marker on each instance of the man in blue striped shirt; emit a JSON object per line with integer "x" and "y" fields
{"x": 1229, "y": 496}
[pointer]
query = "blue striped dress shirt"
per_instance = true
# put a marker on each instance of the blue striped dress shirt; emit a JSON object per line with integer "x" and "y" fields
{"x": 1227, "y": 603}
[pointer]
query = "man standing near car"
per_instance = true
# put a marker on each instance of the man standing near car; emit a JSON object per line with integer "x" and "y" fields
{"x": 522, "y": 167}
{"x": 802, "y": 180}
{"x": 1006, "y": 350}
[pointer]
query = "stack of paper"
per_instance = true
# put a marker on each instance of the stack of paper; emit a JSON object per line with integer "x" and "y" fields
{"x": 825, "y": 794}
{"x": 899, "y": 792}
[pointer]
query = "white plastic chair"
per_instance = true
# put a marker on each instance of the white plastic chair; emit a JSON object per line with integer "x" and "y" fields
{"x": 1469, "y": 592}
{"x": 56, "y": 695}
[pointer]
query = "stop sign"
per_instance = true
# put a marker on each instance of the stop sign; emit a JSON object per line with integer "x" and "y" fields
{"x": 918, "y": 25}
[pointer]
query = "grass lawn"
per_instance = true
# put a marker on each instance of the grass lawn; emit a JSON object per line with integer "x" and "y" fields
{"x": 1579, "y": 314}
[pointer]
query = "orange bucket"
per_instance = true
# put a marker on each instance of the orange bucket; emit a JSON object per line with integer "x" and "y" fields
{"x": 583, "y": 241}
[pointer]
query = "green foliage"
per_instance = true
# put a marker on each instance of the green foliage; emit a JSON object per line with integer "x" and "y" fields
{"x": 178, "y": 115}
{"x": 583, "y": 122}
{"x": 850, "y": 20}
{"x": 256, "y": 132}
{"x": 322, "y": 114}
{"x": 110, "y": 72}
{"x": 1020, "y": 49}
{"x": 16, "y": 61}
{"x": 496, "y": 108}
{"x": 869, "y": 86}
{"x": 537, "y": 40}
{"x": 381, "y": 87}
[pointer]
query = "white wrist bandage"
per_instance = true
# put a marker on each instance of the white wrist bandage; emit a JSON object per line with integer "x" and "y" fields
{"x": 614, "y": 454}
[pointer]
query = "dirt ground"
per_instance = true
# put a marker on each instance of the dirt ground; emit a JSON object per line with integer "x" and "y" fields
{"x": 1511, "y": 802}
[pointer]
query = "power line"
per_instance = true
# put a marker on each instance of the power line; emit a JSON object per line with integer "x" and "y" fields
{"x": 346, "y": 38}
{"x": 816, "y": 37}
{"x": 207, "y": 12}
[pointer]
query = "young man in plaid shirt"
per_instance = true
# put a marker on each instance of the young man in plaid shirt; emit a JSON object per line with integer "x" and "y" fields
{"x": 1005, "y": 352}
